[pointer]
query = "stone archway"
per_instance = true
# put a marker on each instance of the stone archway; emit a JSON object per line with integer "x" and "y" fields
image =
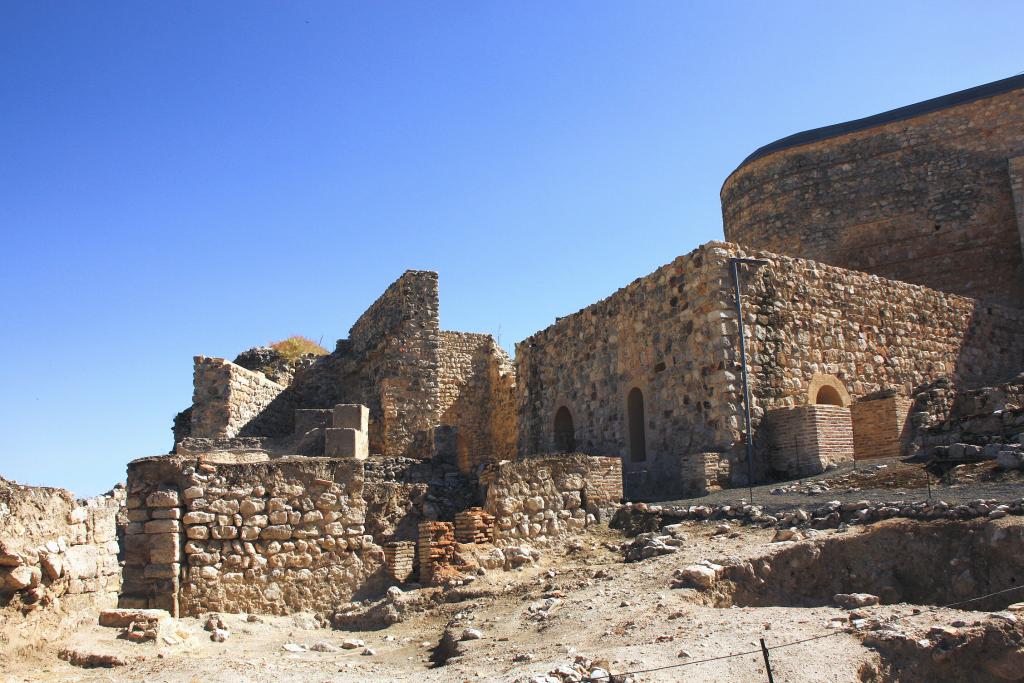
{"x": 565, "y": 431}
{"x": 827, "y": 390}
{"x": 637, "y": 426}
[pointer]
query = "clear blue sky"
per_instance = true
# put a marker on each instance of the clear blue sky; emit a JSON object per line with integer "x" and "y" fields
{"x": 199, "y": 178}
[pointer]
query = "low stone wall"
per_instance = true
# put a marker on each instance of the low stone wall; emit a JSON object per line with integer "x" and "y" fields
{"x": 944, "y": 414}
{"x": 227, "y": 397}
{"x": 548, "y": 496}
{"x": 57, "y": 555}
{"x": 879, "y": 427}
{"x": 275, "y": 537}
{"x": 807, "y": 439}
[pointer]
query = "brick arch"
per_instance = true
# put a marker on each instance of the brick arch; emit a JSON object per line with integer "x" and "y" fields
{"x": 828, "y": 390}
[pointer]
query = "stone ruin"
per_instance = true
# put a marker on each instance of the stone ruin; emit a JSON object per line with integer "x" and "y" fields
{"x": 410, "y": 453}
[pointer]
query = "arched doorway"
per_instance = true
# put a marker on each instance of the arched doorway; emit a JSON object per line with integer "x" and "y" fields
{"x": 565, "y": 432}
{"x": 637, "y": 431}
{"x": 828, "y": 395}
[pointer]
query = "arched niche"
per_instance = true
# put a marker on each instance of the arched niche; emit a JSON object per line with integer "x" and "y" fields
{"x": 565, "y": 431}
{"x": 827, "y": 390}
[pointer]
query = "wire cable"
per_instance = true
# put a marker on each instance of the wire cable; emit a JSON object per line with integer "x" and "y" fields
{"x": 594, "y": 679}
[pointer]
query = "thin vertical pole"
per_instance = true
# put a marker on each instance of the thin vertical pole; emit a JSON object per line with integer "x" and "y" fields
{"x": 799, "y": 470}
{"x": 767, "y": 664}
{"x": 746, "y": 386}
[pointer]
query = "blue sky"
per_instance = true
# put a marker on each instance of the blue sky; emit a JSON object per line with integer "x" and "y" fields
{"x": 199, "y": 178}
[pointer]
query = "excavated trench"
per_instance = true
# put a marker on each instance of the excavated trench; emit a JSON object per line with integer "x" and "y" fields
{"x": 926, "y": 563}
{"x": 942, "y": 563}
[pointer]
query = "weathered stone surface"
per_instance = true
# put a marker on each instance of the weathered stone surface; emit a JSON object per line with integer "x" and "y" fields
{"x": 163, "y": 499}
{"x": 924, "y": 200}
{"x": 162, "y": 526}
{"x": 82, "y": 561}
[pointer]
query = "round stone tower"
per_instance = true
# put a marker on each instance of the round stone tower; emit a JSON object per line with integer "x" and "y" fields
{"x": 931, "y": 193}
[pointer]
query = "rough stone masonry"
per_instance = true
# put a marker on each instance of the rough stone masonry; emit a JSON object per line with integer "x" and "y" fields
{"x": 410, "y": 453}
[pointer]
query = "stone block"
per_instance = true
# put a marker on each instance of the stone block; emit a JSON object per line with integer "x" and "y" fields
{"x": 162, "y": 571}
{"x": 346, "y": 443}
{"x": 163, "y": 499}
{"x": 165, "y": 555}
{"x": 121, "y": 618}
{"x": 82, "y": 561}
{"x": 198, "y": 517}
{"x": 163, "y": 526}
{"x": 351, "y": 416}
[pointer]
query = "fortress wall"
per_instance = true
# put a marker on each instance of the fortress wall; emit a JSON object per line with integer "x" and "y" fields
{"x": 665, "y": 334}
{"x": 926, "y": 200}
{"x": 227, "y": 398}
{"x": 673, "y": 334}
{"x": 270, "y": 537}
{"x": 476, "y": 382}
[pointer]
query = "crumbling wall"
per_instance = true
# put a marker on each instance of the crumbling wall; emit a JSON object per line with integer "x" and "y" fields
{"x": 398, "y": 338}
{"x": 925, "y": 199}
{"x": 400, "y": 493}
{"x": 276, "y": 537}
{"x": 943, "y": 415}
{"x": 58, "y": 555}
{"x": 476, "y": 382}
{"x": 549, "y": 496}
{"x": 388, "y": 363}
{"x": 227, "y": 398}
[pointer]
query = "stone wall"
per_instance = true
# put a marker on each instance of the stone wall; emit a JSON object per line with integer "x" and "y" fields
{"x": 276, "y": 537}
{"x": 389, "y": 363}
{"x": 943, "y": 415}
{"x": 544, "y": 497}
{"x": 227, "y": 398}
{"x": 880, "y": 427}
{"x": 58, "y": 555}
{"x": 477, "y": 387}
{"x": 925, "y": 199}
{"x": 673, "y": 335}
{"x": 805, "y": 440}
{"x": 400, "y": 493}
{"x": 397, "y": 339}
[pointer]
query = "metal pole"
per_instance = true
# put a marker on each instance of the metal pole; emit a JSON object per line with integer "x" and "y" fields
{"x": 746, "y": 387}
{"x": 767, "y": 664}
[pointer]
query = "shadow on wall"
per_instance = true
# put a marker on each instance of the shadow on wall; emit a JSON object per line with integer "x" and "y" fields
{"x": 992, "y": 351}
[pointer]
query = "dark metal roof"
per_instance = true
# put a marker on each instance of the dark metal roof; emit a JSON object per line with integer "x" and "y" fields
{"x": 900, "y": 114}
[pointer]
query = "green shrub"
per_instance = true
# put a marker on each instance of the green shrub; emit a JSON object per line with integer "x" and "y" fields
{"x": 295, "y": 347}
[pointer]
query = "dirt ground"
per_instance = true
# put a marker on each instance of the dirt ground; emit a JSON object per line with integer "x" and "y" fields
{"x": 580, "y": 599}
{"x": 626, "y": 614}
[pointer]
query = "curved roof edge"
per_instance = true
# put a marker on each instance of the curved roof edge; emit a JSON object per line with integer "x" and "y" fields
{"x": 899, "y": 114}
